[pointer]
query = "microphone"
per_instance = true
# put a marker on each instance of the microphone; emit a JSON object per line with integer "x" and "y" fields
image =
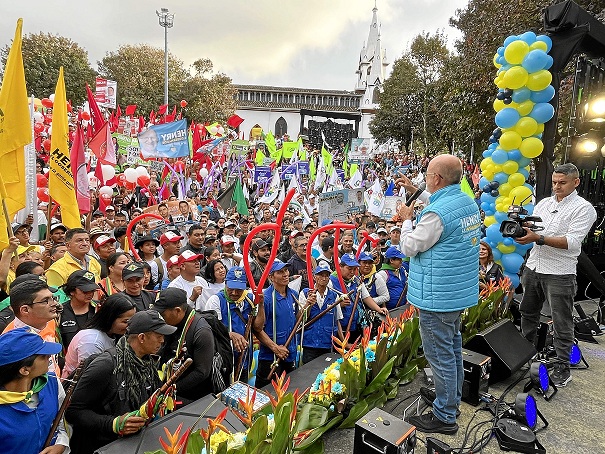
{"x": 416, "y": 194}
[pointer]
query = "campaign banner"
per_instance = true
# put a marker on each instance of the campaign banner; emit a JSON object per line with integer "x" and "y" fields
{"x": 341, "y": 175}
{"x": 168, "y": 140}
{"x": 106, "y": 92}
{"x": 262, "y": 174}
{"x": 288, "y": 149}
{"x": 333, "y": 205}
{"x": 240, "y": 147}
{"x": 303, "y": 168}
{"x": 355, "y": 201}
{"x": 401, "y": 170}
{"x": 288, "y": 171}
{"x": 390, "y": 206}
{"x": 361, "y": 150}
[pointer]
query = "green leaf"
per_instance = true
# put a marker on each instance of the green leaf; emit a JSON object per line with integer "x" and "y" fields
{"x": 159, "y": 451}
{"x": 377, "y": 399}
{"x": 282, "y": 432}
{"x": 358, "y": 410}
{"x": 195, "y": 443}
{"x": 317, "y": 433}
{"x": 349, "y": 377}
{"x": 257, "y": 432}
{"x": 315, "y": 448}
{"x": 310, "y": 416}
{"x": 380, "y": 378}
{"x": 264, "y": 447}
{"x": 222, "y": 448}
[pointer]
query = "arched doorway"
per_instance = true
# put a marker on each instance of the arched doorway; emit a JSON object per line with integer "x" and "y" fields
{"x": 281, "y": 127}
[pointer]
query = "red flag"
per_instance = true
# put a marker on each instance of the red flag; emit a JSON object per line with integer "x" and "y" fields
{"x": 102, "y": 146}
{"x": 152, "y": 117}
{"x": 130, "y": 109}
{"x": 162, "y": 109}
{"x": 234, "y": 121}
{"x": 95, "y": 112}
{"x": 165, "y": 192}
{"x": 141, "y": 123}
{"x": 78, "y": 168}
{"x": 118, "y": 112}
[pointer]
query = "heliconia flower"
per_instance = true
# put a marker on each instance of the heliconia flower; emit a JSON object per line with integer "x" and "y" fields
{"x": 177, "y": 445}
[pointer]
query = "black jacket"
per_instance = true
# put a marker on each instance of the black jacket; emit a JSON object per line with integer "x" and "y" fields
{"x": 71, "y": 323}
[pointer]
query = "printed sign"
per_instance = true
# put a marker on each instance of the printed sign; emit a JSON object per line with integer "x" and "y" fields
{"x": 262, "y": 174}
{"x": 391, "y": 205}
{"x": 106, "y": 92}
{"x": 168, "y": 140}
{"x": 333, "y": 205}
{"x": 361, "y": 150}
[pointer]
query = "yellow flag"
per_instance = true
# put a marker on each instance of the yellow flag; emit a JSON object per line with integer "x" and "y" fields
{"x": 15, "y": 126}
{"x": 3, "y": 219}
{"x": 61, "y": 180}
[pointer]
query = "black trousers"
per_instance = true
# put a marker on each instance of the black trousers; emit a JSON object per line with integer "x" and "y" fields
{"x": 264, "y": 369}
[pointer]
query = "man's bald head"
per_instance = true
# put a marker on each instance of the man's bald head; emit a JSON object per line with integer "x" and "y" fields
{"x": 448, "y": 166}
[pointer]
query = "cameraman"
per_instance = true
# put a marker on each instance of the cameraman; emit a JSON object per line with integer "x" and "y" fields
{"x": 550, "y": 271}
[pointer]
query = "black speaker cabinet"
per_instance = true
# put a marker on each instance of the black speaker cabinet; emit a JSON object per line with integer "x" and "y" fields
{"x": 477, "y": 368}
{"x": 379, "y": 431}
{"x": 506, "y": 346}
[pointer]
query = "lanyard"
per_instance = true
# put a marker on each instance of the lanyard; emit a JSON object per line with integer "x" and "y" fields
{"x": 185, "y": 329}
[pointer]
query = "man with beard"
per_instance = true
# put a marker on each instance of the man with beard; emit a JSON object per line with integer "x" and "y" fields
{"x": 261, "y": 251}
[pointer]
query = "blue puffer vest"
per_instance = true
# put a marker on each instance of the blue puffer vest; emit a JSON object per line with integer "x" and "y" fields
{"x": 396, "y": 285}
{"x": 445, "y": 278}
{"x": 237, "y": 324}
{"x": 347, "y": 310}
{"x": 319, "y": 334}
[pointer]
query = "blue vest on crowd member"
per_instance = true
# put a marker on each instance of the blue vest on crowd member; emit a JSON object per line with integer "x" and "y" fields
{"x": 347, "y": 310}
{"x": 395, "y": 285}
{"x": 319, "y": 334}
{"x": 23, "y": 430}
{"x": 370, "y": 284}
{"x": 445, "y": 278}
{"x": 285, "y": 318}
{"x": 237, "y": 324}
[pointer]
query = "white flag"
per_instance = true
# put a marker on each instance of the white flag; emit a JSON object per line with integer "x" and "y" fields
{"x": 375, "y": 198}
{"x": 321, "y": 175}
{"x": 272, "y": 191}
{"x": 355, "y": 181}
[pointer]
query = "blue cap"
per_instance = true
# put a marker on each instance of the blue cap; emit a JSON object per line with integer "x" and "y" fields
{"x": 349, "y": 260}
{"x": 364, "y": 256}
{"x": 236, "y": 278}
{"x": 20, "y": 343}
{"x": 326, "y": 222}
{"x": 321, "y": 267}
{"x": 277, "y": 265}
{"x": 394, "y": 253}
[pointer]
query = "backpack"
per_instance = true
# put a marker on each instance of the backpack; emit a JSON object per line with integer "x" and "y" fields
{"x": 222, "y": 362}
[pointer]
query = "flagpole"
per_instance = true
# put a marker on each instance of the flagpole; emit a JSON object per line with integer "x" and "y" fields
{"x": 48, "y": 216}
{"x": 9, "y": 229}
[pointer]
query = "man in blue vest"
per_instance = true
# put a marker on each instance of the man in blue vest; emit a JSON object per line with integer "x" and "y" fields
{"x": 395, "y": 276}
{"x": 234, "y": 305}
{"x": 281, "y": 307}
{"x": 443, "y": 281}
{"x": 317, "y": 338}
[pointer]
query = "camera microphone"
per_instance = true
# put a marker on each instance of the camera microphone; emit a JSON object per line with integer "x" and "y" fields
{"x": 416, "y": 194}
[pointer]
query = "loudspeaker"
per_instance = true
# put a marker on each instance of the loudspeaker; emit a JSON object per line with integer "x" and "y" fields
{"x": 506, "y": 346}
{"x": 477, "y": 368}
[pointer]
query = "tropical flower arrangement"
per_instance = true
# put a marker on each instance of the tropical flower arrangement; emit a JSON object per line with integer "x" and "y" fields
{"x": 492, "y": 307}
{"x": 366, "y": 375}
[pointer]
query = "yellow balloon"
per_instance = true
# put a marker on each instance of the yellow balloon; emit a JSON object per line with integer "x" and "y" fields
{"x": 539, "y": 80}
{"x": 531, "y": 147}
{"x": 498, "y": 105}
{"x": 540, "y": 128}
{"x": 516, "y": 51}
{"x": 506, "y": 249}
{"x": 496, "y": 64}
{"x": 510, "y": 140}
{"x": 526, "y": 126}
{"x": 525, "y": 107}
{"x": 521, "y": 195}
{"x": 497, "y": 168}
{"x": 541, "y": 45}
{"x": 501, "y": 84}
{"x": 489, "y": 220}
{"x": 516, "y": 179}
{"x": 515, "y": 77}
{"x": 489, "y": 174}
{"x": 510, "y": 167}
{"x": 486, "y": 163}
{"x": 504, "y": 189}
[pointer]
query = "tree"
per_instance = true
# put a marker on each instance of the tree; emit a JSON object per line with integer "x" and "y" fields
{"x": 43, "y": 54}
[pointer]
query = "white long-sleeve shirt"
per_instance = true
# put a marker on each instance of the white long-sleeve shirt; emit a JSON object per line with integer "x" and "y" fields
{"x": 425, "y": 235}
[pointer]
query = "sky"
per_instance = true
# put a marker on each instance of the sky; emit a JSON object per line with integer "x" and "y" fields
{"x": 288, "y": 43}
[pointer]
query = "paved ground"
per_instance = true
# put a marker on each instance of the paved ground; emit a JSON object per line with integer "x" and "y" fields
{"x": 575, "y": 414}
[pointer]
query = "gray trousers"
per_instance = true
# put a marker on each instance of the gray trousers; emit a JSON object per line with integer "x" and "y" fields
{"x": 559, "y": 291}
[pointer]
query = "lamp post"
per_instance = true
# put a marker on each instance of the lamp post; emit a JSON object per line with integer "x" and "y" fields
{"x": 167, "y": 21}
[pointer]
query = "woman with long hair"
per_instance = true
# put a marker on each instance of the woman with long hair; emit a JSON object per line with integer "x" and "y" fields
{"x": 113, "y": 282}
{"x": 214, "y": 274}
{"x": 488, "y": 269}
{"x": 101, "y": 331}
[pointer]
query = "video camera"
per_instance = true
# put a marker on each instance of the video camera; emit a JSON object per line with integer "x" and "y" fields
{"x": 517, "y": 219}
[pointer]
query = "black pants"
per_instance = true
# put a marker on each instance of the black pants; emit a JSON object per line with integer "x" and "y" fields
{"x": 264, "y": 369}
{"x": 310, "y": 353}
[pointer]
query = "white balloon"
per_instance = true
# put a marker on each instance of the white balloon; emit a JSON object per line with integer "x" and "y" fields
{"x": 213, "y": 130}
{"x": 220, "y": 130}
{"x": 203, "y": 172}
{"x": 141, "y": 171}
{"x": 108, "y": 172}
{"x": 131, "y": 175}
{"x": 38, "y": 117}
{"x": 93, "y": 181}
{"x": 52, "y": 97}
{"x": 106, "y": 190}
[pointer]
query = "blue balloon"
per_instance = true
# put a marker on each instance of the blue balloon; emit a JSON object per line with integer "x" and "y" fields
{"x": 492, "y": 233}
{"x": 499, "y": 156}
{"x": 522, "y": 248}
{"x": 514, "y": 278}
{"x": 501, "y": 177}
{"x": 483, "y": 181}
{"x": 485, "y": 197}
{"x": 530, "y": 208}
{"x": 492, "y": 206}
{"x": 507, "y": 241}
{"x": 487, "y": 153}
{"x": 494, "y": 185}
{"x": 543, "y": 95}
{"x": 535, "y": 60}
{"x": 507, "y": 117}
{"x": 523, "y": 162}
{"x": 497, "y": 253}
{"x": 542, "y": 112}
{"x": 521, "y": 94}
{"x": 500, "y": 50}
{"x": 500, "y": 216}
{"x": 529, "y": 37}
{"x": 510, "y": 39}
{"x": 487, "y": 188}
{"x": 492, "y": 139}
{"x": 492, "y": 146}
{"x": 485, "y": 206}
{"x": 514, "y": 155}
{"x": 549, "y": 62}
{"x": 545, "y": 39}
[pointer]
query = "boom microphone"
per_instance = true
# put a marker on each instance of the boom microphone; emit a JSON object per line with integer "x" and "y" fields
{"x": 416, "y": 194}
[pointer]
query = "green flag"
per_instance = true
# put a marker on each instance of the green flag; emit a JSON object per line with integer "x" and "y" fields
{"x": 466, "y": 188}
{"x": 240, "y": 199}
{"x": 312, "y": 168}
{"x": 327, "y": 159}
{"x": 260, "y": 158}
{"x": 288, "y": 149}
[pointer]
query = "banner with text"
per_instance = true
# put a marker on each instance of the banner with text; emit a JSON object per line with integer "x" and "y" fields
{"x": 167, "y": 140}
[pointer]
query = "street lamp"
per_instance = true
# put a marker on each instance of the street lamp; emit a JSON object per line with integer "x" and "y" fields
{"x": 167, "y": 21}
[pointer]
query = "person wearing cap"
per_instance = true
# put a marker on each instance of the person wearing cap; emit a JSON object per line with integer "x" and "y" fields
{"x": 287, "y": 247}
{"x": 297, "y": 265}
{"x": 229, "y": 257}
{"x": 317, "y": 339}
{"x": 311, "y": 205}
{"x": 22, "y": 232}
{"x": 147, "y": 247}
{"x": 80, "y": 288}
{"x": 234, "y": 305}
{"x": 281, "y": 306}
{"x": 190, "y": 281}
{"x": 298, "y": 223}
{"x": 57, "y": 233}
{"x": 171, "y": 245}
{"x": 373, "y": 281}
{"x": 395, "y": 237}
{"x": 133, "y": 278}
{"x": 355, "y": 290}
{"x": 193, "y": 332}
{"x": 173, "y": 266}
{"x": 110, "y": 214}
{"x": 229, "y": 229}
{"x": 195, "y": 239}
{"x": 443, "y": 281}
{"x": 76, "y": 258}
{"x": 261, "y": 251}
{"x": 30, "y": 397}
{"x": 116, "y": 383}
{"x": 104, "y": 246}
{"x": 35, "y": 308}
{"x": 394, "y": 271}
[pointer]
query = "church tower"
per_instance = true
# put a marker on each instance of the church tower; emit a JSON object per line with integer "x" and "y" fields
{"x": 371, "y": 74}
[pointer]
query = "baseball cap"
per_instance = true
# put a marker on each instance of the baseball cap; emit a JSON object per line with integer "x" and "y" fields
{"x": 24, "y": 249}
{"x": 57, "y": 225}
{"x": 149, "y": 320}
{"x": 82, "y": 279}
{"x": 349, "y": 260}
{"x": 364, "y": 256}
{"x": 170, "y": 237}
{"x": 30, "y": 277}
{"x": 97, "y": 213}
{"x": 321, "y": 267}
{"x": 227, "y": 239}
{"x": 190, "y": 256}
{"x": 277, "y": 265}
{"x": 311, "y": 196}
{"x": 20, "y": 343}
{"x": 326, "y": 222}
{"x": 209, "y": 239}
{"x": 236, "y": 278}
{"x": 97, "y": 231}
{"x": 395, "y": 227}
{"x": 259, "y": 244}
{"x": 381, "y": 230}
{"x": 132, "y": 270}
{"x": 16, "y": 226}
{"x": 144, "y": 239}
{"x": 371, "y": 225}
{"x": 110, "y": 208}
{"x": 230, "y": 223}
{"x": 244, "y": 221}
{"x": 172, "y": 261}
{"x": 169, "y": 298}
{"x": 104, "y": 239}
{"x": 394, "y": 253}
{"x": 295, "y": 233}
{"x": 298, "y": 218}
